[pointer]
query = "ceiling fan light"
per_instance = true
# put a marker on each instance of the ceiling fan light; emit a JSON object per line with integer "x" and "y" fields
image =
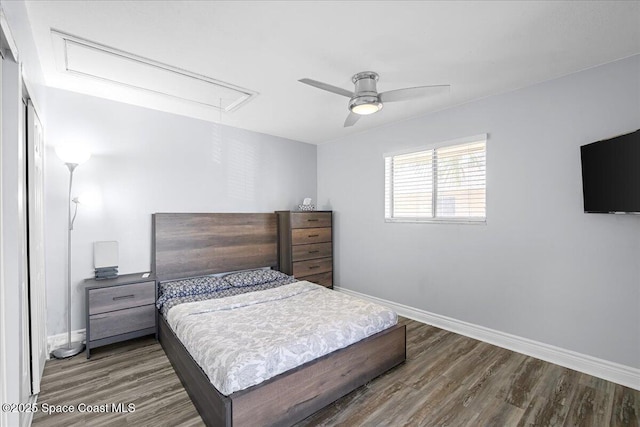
{"x": 366, "y": 109}
{"x": 365, "y": 104}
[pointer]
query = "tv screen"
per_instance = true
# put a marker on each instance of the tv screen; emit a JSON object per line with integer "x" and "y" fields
{"x": 611, "y": 174}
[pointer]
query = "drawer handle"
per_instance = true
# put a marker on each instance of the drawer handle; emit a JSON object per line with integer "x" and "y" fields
{"x": 313, "y": 219}
{"x": 313, "y": 252}
{"x": 313, "y": 266}
{"x": 123, "y": 297}
{"x": 314, "y": 235}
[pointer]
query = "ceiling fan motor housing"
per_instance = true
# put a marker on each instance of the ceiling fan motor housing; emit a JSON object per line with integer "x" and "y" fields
{"x": 366, "y": 92}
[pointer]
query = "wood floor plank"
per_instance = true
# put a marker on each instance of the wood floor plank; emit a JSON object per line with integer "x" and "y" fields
{"x": 626, "y": 407}
{"x": 497, "y": 412}
{"x": 452, "y": 348}
{"x": 583, "y": 410}
{"x": 429, "y": 400}
{"x": 519, "y": 392}
{"x": 552, "y": 397}
{"x": 492, "y": 376}
{"x": 136, "y": 372}
{"x": 447, "y": 379}
{"x": 463, "y": 374}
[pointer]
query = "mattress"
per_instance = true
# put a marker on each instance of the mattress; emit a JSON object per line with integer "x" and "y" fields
{"x": 243, "y": 340}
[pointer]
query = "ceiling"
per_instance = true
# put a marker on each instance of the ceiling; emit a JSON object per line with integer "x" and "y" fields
{"x": 480, "y": 48}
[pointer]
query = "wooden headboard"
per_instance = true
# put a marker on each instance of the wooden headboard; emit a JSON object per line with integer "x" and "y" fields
{"x": 197, "y": 244}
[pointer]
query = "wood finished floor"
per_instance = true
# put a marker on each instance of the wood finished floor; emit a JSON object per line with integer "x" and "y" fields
{"x": 447, "y": 380}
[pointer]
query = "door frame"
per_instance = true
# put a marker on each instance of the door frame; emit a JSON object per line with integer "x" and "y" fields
{"x": 8, "y": 52}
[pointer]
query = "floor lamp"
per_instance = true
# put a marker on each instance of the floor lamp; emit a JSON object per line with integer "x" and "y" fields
{"x": 72, "y": 156}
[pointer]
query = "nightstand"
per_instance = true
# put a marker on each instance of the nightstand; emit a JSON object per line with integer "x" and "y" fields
{"x": 119, "y": 309}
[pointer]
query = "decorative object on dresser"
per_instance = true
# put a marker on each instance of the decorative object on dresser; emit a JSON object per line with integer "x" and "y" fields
{"x": 72, "y": 155}
{"x": 119, "y": 309}
{"x": 305, "y": 245}
{"x": 105, "y": 259}
{"x": 307, "y": 205}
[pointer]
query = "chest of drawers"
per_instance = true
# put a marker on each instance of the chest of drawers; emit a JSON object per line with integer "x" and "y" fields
{"x": 119, "y": 309}
{"x": 305, "y": 245}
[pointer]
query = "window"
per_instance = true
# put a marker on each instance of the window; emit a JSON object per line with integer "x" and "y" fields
{"x": 446, "y": 184}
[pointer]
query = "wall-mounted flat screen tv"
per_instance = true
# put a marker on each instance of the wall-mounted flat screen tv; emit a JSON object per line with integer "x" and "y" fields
{"x": 611, "y": 175}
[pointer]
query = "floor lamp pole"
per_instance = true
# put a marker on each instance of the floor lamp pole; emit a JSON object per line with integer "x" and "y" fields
{"x": 72, "y": 348}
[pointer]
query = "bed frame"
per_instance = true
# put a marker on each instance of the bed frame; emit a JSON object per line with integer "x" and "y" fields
{"x": 187, "y": 245}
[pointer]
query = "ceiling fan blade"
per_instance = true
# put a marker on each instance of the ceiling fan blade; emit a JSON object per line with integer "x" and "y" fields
{"x": 352, "y": 118}
{"x": 327, "y": 87}
{"x": 413, "y": 93}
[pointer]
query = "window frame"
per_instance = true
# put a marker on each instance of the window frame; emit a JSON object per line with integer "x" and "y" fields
{"x": 435, "y": 219}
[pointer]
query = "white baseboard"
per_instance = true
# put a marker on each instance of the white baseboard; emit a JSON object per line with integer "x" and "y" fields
{"x": 57, "y": 341}
{"x": 610, "y": 371}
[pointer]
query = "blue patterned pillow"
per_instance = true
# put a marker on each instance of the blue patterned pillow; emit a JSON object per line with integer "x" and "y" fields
{"x": 189, "y": 287}
{"x": 253, "y": 277}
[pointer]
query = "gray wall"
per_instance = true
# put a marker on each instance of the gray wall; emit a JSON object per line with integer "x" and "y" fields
{"x": 540, "y": 268}
{"x": 145, "y": 161}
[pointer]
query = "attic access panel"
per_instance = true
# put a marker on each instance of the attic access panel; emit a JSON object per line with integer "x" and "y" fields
{"x": 81, "y": 57}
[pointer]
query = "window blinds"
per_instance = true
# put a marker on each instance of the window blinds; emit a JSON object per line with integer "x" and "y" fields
{"x": 445, "y": 183}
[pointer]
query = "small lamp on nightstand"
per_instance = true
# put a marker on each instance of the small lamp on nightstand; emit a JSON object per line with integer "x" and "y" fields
{"x": 72, "y": 156}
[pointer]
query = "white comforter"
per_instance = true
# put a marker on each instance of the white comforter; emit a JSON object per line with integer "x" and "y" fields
{"x": 242, "y": 340}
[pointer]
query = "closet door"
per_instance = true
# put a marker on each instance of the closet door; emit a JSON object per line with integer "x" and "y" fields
{"x": 37, "y": 296}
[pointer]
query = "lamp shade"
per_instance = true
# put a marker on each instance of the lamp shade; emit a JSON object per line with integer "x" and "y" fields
{"x": 73, "y": 153}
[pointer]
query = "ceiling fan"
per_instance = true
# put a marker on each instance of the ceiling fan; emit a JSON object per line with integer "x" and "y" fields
{"x": 365, "y": 99}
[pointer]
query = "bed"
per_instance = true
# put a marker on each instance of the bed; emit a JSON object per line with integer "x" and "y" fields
{"x": 191, "y": 245}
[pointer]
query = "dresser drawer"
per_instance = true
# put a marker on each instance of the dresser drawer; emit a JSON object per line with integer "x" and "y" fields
{"x": 120, "y": 297}
{"x": 121, "y": 322}
{"x": 310, "y": 219}
{"x": 314, "y": 266}
{"x": 312, "y": 251}
{"x": 324, "y": 279}
{"x": 303, "y": 236}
